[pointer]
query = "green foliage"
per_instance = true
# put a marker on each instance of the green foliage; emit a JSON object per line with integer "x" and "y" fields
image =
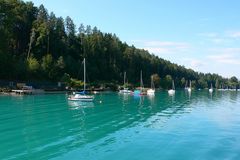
{"x": 56, "y": 48}
{"x": 156, "y": 80}
{"x": 60, "y": 63}
{"x": 47, "y": 62}
{"x": 33, "y": 64}
{"x": 70, "y": 27}
{"x": 202, "y": 83}
{"x": 233, "y": 79}
{"x": 233, "y": 82}
{"x": 193, "y": 84}
{"x": 166, "y": 83}
{"x": 183, "y": 82}
{"x": 77, "y": 84}
{"x": 66, "y": 78}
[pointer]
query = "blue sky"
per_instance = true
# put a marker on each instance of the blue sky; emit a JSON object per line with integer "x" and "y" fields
{"x": 202, "y": 35}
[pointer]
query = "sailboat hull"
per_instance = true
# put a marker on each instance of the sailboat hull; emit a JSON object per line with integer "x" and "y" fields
{"x": 171, "y": 92}
{"x": 83, "y": 98}
{"x": 151, "y": 92}
{"x": 125, "y": 91}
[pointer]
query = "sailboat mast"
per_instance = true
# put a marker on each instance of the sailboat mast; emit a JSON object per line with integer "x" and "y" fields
{"x": 84, "y": 74}
{"x": 152, "y": 84}
{"x": 124, "y": 78}
{"x": 141, "y": 85}
{"x": 173, "y": 87}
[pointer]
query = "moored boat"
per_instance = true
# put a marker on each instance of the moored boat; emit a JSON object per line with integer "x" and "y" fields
{"x": 125, "y": 90}
{"x": 190, "y": 86}
{"x": 151, "y": 92}
{"x": 141, "y": 91}
{"x": 211, "y": 89}
{"x": 172, "y": 91}
{"x": 82, "y": 96}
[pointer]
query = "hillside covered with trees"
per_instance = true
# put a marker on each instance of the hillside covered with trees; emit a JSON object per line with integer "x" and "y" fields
{"x": 35, "y": 45}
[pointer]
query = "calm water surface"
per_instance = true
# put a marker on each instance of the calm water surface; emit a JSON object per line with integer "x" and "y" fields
{"x": 116, "y": 127}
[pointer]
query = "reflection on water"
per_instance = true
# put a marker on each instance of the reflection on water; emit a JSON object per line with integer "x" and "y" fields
{"x": 151, "y": 99}
{"x": 189, "y": 95}
{"x": 118, "y": 126}
{"x": 211, "y": 95}
{"x": 172, "y": 98}
{"x": 80, "y": 104}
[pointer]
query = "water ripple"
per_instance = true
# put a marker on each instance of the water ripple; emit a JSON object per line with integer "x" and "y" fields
{"x": 50, "y": 127}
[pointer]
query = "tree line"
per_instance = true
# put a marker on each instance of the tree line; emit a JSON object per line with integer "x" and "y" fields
{"x": 38, "y": 46}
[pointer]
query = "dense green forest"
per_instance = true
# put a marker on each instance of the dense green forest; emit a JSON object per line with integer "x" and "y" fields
{"x": 35, "y": 45}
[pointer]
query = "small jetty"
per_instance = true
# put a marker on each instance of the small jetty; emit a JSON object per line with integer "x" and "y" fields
{"x": 28, "y": 90}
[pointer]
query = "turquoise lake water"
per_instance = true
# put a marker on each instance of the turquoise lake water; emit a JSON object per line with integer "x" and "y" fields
{"x": 116, "y": 127}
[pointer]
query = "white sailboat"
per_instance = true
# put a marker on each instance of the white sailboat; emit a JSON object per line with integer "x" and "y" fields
{"x": 151, "y": 91}
{"x": 138, "y": 92}
{"x": 125, "y": 90}
{"x": 82, "y": 96}
{"x": 186, "y": 88}
{"x": 211, "y": 89}
{"x": 190, "y": 86}
{"x": 172, "y": 91}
